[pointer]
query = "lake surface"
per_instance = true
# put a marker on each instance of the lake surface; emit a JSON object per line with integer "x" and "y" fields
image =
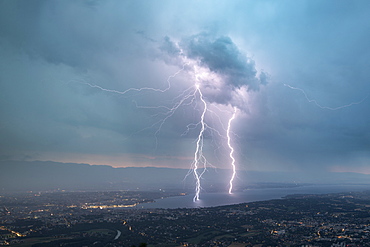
{"x": 252, "y": 195}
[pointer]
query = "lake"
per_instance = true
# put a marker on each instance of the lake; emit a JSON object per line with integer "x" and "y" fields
{"x": 251, "y": 195}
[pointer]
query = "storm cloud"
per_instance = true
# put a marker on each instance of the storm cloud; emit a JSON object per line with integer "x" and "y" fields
{"x": 248, "y": 50}
{"x": 220, "y": 55}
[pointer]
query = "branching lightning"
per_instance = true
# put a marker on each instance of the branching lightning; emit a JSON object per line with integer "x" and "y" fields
{"x": 191, "y": 96}
{"x": 140, "y": 89}
{"x": 198, "y": 155}
{"x": 231, "y": 151}
{"x": 187, "y": 97}
{"x": 215, "y": 84}
{"x": 325, "y": 107}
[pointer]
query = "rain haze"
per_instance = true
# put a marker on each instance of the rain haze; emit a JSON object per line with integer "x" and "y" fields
{"x": 115, "y": 83}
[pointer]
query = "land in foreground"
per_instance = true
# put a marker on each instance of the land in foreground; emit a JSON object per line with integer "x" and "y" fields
{"x": 104, "y": 219}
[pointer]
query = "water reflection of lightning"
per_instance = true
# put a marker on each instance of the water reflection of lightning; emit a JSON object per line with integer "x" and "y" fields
{"x": 231, "y": 151}
{"x": 325, "y": 107}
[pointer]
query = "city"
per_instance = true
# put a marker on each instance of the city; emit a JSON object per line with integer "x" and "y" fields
{"x": 111, "y": 219}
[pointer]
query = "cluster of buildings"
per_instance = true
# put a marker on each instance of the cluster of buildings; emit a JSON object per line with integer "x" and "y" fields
{"x": 103, "y": 219}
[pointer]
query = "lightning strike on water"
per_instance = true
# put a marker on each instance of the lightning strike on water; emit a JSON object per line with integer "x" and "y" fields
{"x": 325, "y": 107}
{"x": 231, "y": 151}
{"x": 187, "y": 97}
{"x": 198, "y": 155}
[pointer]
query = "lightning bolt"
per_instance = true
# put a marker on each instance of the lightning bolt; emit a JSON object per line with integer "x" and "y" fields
{"x": 198, "y": 155}
{"x": 325, "y": 107}
{"x": 231, "y": 151}
{"x": 187, "y": 97}
{"x": 192, "y": 96}
{"x": 140, "y": 89}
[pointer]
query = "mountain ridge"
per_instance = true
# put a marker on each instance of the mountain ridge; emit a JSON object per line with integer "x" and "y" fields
{"x": 50, "y": 175}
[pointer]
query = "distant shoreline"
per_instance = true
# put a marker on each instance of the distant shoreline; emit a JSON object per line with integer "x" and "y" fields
{"x": 251, "y": 195}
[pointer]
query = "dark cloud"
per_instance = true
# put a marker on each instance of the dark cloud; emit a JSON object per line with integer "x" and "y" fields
{"x": 170, "y": 47}
{"x": 233, "y": 70}
{"x": 222, "y": 56}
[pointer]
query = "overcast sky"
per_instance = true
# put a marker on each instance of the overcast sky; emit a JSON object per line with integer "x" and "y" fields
{"x": 292, "y": 69}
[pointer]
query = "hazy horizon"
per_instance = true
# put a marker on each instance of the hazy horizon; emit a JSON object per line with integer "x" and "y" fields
{"x": 54, "y": 176}
{"x": 267, "y": 86}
